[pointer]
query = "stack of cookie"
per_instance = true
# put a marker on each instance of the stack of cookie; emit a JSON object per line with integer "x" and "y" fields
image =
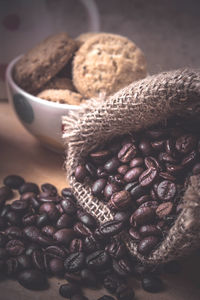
{"x": 66, "y": 70}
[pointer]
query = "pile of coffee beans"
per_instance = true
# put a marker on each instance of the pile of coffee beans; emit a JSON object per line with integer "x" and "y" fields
{"x": 143, "y": 177}
{"x": 47, "y": 234}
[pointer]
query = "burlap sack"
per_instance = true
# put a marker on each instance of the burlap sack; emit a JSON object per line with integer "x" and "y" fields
{"x": 135, "y": 107}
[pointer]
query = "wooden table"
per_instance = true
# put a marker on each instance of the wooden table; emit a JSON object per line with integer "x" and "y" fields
{"x": 20, "y": 153}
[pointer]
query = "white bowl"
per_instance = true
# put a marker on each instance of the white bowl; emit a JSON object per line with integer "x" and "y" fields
{"x": 40, "y": 117}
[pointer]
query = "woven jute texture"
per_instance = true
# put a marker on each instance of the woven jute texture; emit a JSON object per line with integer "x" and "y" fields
{"x": 138, "y": 106}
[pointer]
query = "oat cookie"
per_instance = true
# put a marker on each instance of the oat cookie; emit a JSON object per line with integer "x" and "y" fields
{"x": 58, "y": 83}
{"x": 82, "y": 38}
{"x": 61, "y": 96}
{"x": 107, "y": 63}
{"x": 42, "y": 62}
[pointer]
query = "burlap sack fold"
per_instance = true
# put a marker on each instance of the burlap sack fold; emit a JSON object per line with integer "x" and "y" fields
{"x": 138, "y": 106}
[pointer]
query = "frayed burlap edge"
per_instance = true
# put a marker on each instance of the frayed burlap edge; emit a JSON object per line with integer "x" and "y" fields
{"x": 137, "y": 106}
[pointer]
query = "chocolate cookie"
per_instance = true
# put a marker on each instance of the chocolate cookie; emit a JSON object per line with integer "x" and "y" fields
{"x": 106, "y": 63}
{"x": 58, "y": 83}
{"x": 42, "y": 62}
{"x": 61, "y": 96}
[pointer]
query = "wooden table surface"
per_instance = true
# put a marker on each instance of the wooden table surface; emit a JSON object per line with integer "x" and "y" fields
{"x": 20, "y": 153}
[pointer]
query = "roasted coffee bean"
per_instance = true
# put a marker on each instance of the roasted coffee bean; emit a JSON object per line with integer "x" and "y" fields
{"x": 76, "y": 245}
{"x": 15, "y": 247}
{"x": 91, "y": 244}
{"x": 158, "y": 145}
{"x": 142, "y": 216}
{"x": 116, "y": 249}
{"x": 116, "y": 179}
{"x": 133, "y": 174}
{"x": 27, "y": 196}
{"x": 137, "y": 162}
{"x": 110, "y": 189}
{"x": 196, "y": 169}
{"x": 74, "y": 262}
{"x": 135, "y": 189}
{"x": 112, "y": 165}
{"x": 25, "y": 262}
{"x": 127, "y": 153}
{"x": 67, "y": 193}
{"x": 101, "y": 173}
{"x": 147, "y": 244}
{"x": 3, "y": 239}
{"x": 91, "y": 169}
{"x": 166, "y": 190}
{"x": 172, "y": 267}
{"x": 38, "y": 259}
{"x": 148, "y": 177}
{"x": 3, "y": 253}
{"x": 167, "y": 176}
{"x": 98, "y": 260}
{"x": 5, "y": 194}
{"x": 48, "y": 187}
{"x": 73, "y": 278}
{"x": 29, "y": 187}
{"x": 46, "y": 197}
{"x": 152, "y": 284}
{"x": 110, "y": 228}
{"x": 42, "y": 220}
{"x": 13, "y": 218}
{"x": 149, "y": 230}
{"x": 145, "y": 147}
{"x": 68, "y": 206}
{"x": 65, "y": 221}
{"x": 122, "y": 216}
{"x": 106, "y": 297}
{"x": 143, "y": 199}
{"x": 68, "y": 290}
{"x": 81, "y": 230}
{"x": 134, "y": 234}
{"x": 13, "y": 181}
{"x": 80, "y": 173}
{"x": 3, "y": 223}
{"x": 122, "y": 267}
{"x": 174, "y": 169}
{"x": 189, "y": 159}
{"x": 186, "y": 143}
{"x": 11, "y": 266}
{"x": 64, "y": 236}
{"x": 123, "y": 292}
{"x": 56, "y": 252}
{"x": 56, "y": 267}
{"x": 34, "y": 202}
{"x": 33, "y": 279}
{"x": 111, "y": 282}
{"x": 152, "y": 204}
{"x": 32, "y": 233}
{"x": 100, "y": 157}
{"x": 165, "y": 157}
{"x": 98, "y": 186}
{"x": 89, "y": 278}
{"x": 30, "y": 248}
{"x": 48, "y": 230}
{"x": 5, "y": 209}
{"x": 123, "y": 169}
{"x": 29, "y": 219}
{"x": 120, "y": 201}
{"x": 86, "y": 219}
{"x": 164, "y": 209}
{"x": 51, "y": 210}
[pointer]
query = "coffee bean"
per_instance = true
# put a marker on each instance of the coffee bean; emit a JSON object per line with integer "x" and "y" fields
{"x": 167, "y": 176}
{"x": 80, "y": 173}
{"x": 11, "y": 266}
{"x": 148, "y": 177}
{"x": 86, "y": 219}
{"x": 133, "y": 174}
{"x": 74, "y": 262}
{"x": 42, "y": 220}
{"x": 134, "y": 234}
{"x": 122, "y": 169}
{"x": 116, "y": 179}
{"x": 27, "y": 196}
{"x": 135, "y": 189}
{"x": 78, "y": 297}
{"x": 13, "y": 218}
{"x": 48, "y": 230}
{"x": 91, "y": 170}
{"x": 24, "y": 262}
{"x": 56, "y": 252}
{"x": 68, "y": 290}
{"x": 166, "y": 190}
{"x": 111, "y": 282}
{"x": 51, "y": 211}
{"x": 38, "y": 259}
{"x": 110, "y": 189}
{"x": 120, "y": 201}
{"x": 46, "y": 197}
{"x": 3, "y": 253}
{"x": 3, "y": 223}
{"x": 122, "y": 216}
{"x": 89, "y": 278}
{"x": 111, "y": 165}
{"x": 127, "y": 153}
{"x": 81, "y": 230}
{"x": 98, "y": 186}
{"x": 97, "y": 260}
{"x": 67, "y": 192}
{"x": 76, "y": 245}
{"x": 2, "y": 239}
{"x": 123, "y": 292}
{"x": 33, "y": 279}
{"x": 68, "y": 206}
{"x": 29, "y": 187}
{"x": 74, "y": 278}
{"x": 116, "y": 249}
{"x": 174, "y": 169}
{"x": 158, "y": 145}
{"x": 152, "y": 284}
{"x": 64, "y": 236}
{"x": 196, "y": 169}
{"x": 164, "y": 209}
{"x": 137, "y": 162}
{"x": 48, "y": 187}
{"x": 189, "y": 159}
{"x": 152, "y": 204}
{"x": 110, "y": 228}
{"x": 143, "y": 199}
{"x": 149, "y": 230}
{"x": 91, "y": 244}
{"x": 56, "y": 267}
{"x": 15, "y": 247}
{"x": 101, "y": 173}
{"x": 145, "y": 147}
{"x": 5, "y": 194}
{"x": 65, "y": 221}
{"x": 29, "y": 219}
{"x": 147, "y": 244}
{"x": 106, "y": 297}
{"x": 186, "y": 143}
{"x": 30, "y": 248}
{"x": 142, "y": 216}
{"x": 100, "y": 157}
{"x": 122, "y": 267}
{"x": 13, "y": 181}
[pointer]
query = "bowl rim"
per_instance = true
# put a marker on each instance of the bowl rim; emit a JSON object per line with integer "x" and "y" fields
{"x": 10, "y": 81}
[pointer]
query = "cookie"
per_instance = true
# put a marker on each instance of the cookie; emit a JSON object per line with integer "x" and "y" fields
{"x": 42, "y": 62}
{"x": 106, "y": 63}
{"x": 59, "y": 83}
{"x": 82, "y": 38}
{"x": 61, "y": 96}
